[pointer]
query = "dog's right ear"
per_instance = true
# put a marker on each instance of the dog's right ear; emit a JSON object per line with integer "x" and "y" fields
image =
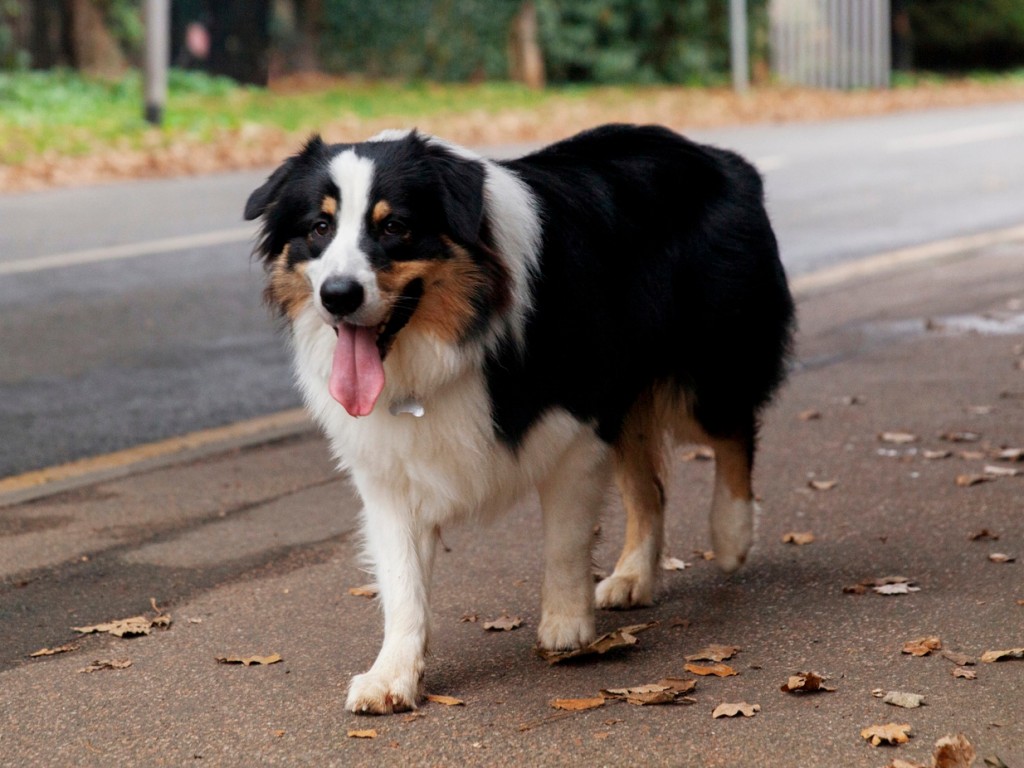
{"x": 264, "y": 197}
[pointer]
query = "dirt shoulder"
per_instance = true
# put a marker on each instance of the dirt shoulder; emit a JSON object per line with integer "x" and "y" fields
{"x": 256, "y": 145}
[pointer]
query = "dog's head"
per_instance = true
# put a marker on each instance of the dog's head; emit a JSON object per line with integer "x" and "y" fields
{"x": 376, "y": 238}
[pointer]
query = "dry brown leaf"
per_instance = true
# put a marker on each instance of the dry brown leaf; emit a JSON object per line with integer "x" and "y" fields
{"x": 971, "y": 455}
{"x": 369, "y": 733}
{"x": 897, "y": 588}
{"x": 107, "y": 664}
{"x": 932, "y": 455}
{"x": 798, "y": 537}
{"x": 718, "y": 670}
{"x": 412, "y": 717}
{"x": 806, "y": 682}
{"x": 669, "y": 690}
{"x": 130, "y": 627}
{"x": 714, "y": 652}
{"x": 1010, "y": 454}
{"x": 966, "y": 481}
{"x": 903, "y": 699}
{"x": 248, "y": 661}
{"x": 704, "y": 554}
{"x": 279, "y": 732}
{"x": 367, "y": 590}
{"x": 578, "y": 705}
{"x": 448, "y": 701}
{"x": 809, "y": 415}
{"x": 1011, "y": 653}
{"x": 619, "y": 638}
{"x": 673, "y": 564}
{"x": 922, "y": 646}
{"x": 731, "y": 710}
{"x": 966, "y": 674}
{"x": 67, "y": 648}
{"x": 1001, "y": 557}
{"x": 471, "y": 618}
{"x": 898, "y": 438}
{"x": 960, "y": 659}
{"x": 602, "y": 735}
{"x": 890, "y": 733}
{"x": 822, "y": 485}
{"x": 960, "y": 437}
{"x": 996, "y": 471}
{"x": 503, "y": 623}
{"x": 900, "y": 763}
{"x": 953, "y": 752}
{"x": 984, "y": 534}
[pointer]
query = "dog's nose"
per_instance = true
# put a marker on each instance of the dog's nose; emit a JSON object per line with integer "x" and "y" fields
{"x": 341, "y": 295}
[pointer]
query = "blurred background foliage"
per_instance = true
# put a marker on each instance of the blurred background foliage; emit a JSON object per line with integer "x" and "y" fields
{"x": 592, "y": 41}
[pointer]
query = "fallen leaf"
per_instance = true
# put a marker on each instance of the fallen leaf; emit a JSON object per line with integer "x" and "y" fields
{"x": 705, "y": 554}
{"x": 995, "y": 761}
{"x": 898, "y": 438}
{"x": 972, "y": 455}
{"x": 602, "y": 735}
{"x": 673, "y": 564}
{"x": 1010, "y": 454}
{"x": 983, "y": 534}
{"x": 966, "y": 481}
{"x": 922, "y": 646}
{"x": 798, "y": 537}
{"x": 809, "y": 415}
{"x": 54, "y": 651}
{"x": 619, "y": 638}
{"x": 899, "y": 588}
{"x": 471, "y": 618}
{"x": 107, "y": 664}
{"x": 133, "y": 626}
{"x": 822, "y": 485}
{"x": 995, "y": 471}
{"x": 931, "y": 455}
{"x": 890, "y": 733}
{"x": 960, "y": 437}
{"x": 806, "y": 682}
{"x": 966, "y": 674}
{"x": 503, "y": 623}
{"x": 953, "y": 752}
{"x": 900, "y": 763}
{"x": 669, "y": 690}
{"x": 279, "y": 732}
{"x": 731, "y": 710}
{"x": 448, "y": 701}
{"x": 903, "y": 699}
{"x": 578, "y": 705}
{"x": 1012, "y": 653}
{"x": 369, "y": 733}
{"x": 250, "y": 660}
{"x": 678, "y": 622}
{"x": 718, "y": 670}
{"x": 367, "y": 590}
{"x": 999, "y": 557}
{"x": 960, "y": 659}
{"x": 714, "y": 652}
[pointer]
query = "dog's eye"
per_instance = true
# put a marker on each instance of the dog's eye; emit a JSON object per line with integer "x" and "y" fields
{"x": 321, "y": 229}
{"x": 395, "y": 228}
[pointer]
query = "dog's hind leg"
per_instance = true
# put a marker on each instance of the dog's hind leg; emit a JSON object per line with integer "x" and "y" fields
{"x": 639, "y": 466}
{"x": 732, "y": 502}
{"x": 571, "y": 497}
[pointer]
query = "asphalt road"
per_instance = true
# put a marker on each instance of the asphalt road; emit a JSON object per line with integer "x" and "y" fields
{"x": 131, "y": 312}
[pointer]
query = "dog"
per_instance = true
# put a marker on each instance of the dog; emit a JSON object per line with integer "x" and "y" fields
{"x": 466, "y": 330}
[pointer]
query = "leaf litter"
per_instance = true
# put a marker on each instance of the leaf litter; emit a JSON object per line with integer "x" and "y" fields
{"x": 503, "y": 623}
{"x": 726, "y": 709}
{"x": 890, "y": 733}
{"x": 133, "y": 626}
{"x": 806, "y": 682}
{"x": 922, "y": 646}
{"x": 989, "y": 657}
{"x": 714, "y": 652}
{"x": 248, "y": 661}
{"x": 903, "y": 699}
{"x": 798, "y": 537}
{"x": 66, "y": 648}
{"x": 96, "y": 666}
{"x": 668, "y": 690}
{"x": 448, "y": 701}
{"x": 717, "y": 669}
{"x": 623, "y": 637}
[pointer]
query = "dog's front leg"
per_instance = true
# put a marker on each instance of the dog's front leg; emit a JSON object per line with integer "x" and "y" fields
{"x": 571, "y": 498}
{"x": 402, "y": 550}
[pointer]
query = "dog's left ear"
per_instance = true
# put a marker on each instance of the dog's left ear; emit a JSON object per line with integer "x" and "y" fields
{"x": 263, "y": 197}
{"x": 462, "y": 193}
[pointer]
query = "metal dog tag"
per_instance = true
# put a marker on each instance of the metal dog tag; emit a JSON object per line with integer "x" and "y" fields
{"x": 408, "y": 405}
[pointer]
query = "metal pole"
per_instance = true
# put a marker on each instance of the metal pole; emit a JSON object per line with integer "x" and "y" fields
{"x": 157, "y": 18}
{"x": 738, "y": 44}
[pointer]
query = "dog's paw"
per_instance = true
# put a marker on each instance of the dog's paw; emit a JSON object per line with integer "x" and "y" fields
{"x": 372, "y": 693}
{"x": 623, "y": 591}
{"x": 565, "y": 633}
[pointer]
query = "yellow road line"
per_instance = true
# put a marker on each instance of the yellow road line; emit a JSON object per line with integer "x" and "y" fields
{"x": 238, "y": 433}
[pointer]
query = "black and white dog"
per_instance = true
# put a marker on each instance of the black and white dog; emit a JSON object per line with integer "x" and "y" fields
{"x": 466, "y": 330}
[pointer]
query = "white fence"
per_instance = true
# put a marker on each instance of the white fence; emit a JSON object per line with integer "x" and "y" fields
{"x": 831, "y": 43}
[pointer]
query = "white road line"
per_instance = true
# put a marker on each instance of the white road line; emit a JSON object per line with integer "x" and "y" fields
{"x": 955, "y": 137}
{"x": 127, "y": 251}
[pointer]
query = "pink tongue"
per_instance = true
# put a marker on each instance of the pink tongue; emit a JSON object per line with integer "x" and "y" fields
{"x": 357, "y": 372}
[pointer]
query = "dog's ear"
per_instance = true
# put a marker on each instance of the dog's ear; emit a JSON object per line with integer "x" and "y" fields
{"x": 264, "y": 197}
{"x": 462, "y": 193}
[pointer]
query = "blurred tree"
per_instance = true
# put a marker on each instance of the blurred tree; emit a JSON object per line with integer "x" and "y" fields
{"x": 951, "y": 35}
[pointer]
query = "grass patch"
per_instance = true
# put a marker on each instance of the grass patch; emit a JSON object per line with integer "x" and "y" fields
{"x": 61, "y": 113}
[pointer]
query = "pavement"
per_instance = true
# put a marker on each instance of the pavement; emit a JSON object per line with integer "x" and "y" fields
{"x": 250, "y": 547}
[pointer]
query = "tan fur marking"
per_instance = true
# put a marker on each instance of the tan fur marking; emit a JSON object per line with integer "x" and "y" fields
{"x": 381, "y": 211}
{"x": 287, "y": 289}
{"x": 732, "y": 467}
{"x": 446, "y": 308}
{"x": 329, "y": 206}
